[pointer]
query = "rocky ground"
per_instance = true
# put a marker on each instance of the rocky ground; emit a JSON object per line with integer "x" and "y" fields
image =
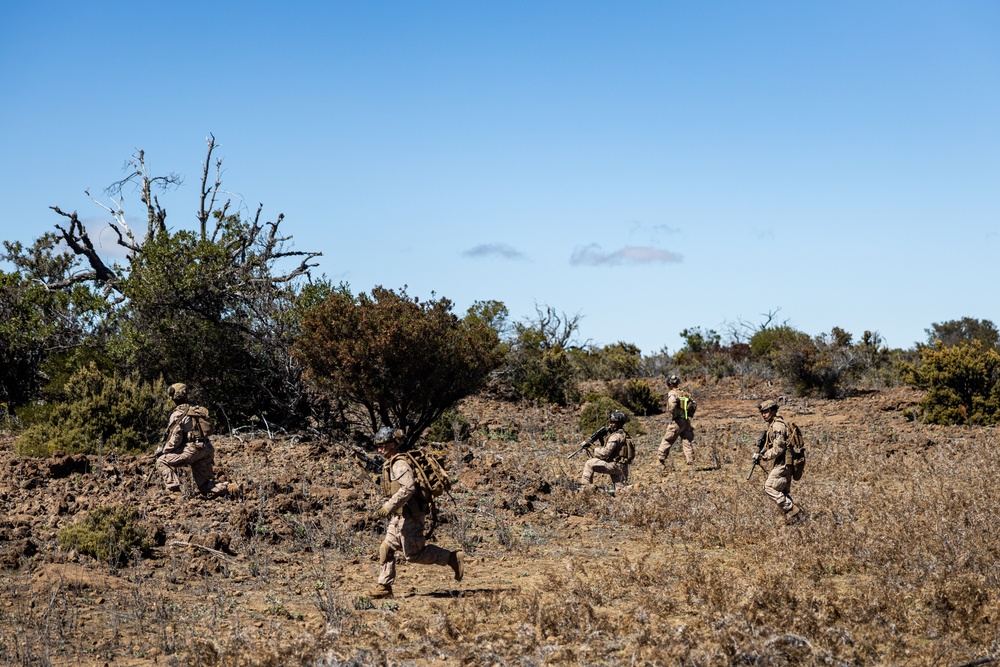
{"x": 895, "y": 562}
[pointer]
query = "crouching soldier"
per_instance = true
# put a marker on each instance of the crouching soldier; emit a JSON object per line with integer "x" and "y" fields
{"x": 406, "y": 527}
{"x": 614, "y": 456}
{"x": 188, "y": 445}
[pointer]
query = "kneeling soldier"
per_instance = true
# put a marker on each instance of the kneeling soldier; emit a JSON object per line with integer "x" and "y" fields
{"x": 614, "y": 456}
{"x": 406, "y": 527}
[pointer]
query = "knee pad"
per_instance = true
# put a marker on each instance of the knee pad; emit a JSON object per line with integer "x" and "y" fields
{"x": 384, "y": 553}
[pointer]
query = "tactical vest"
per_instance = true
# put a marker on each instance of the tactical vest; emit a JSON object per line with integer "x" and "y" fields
{"x": 390, "y": 487}
{"x": 626, "y": 451}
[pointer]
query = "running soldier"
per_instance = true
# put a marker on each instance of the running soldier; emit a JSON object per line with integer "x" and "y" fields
{"x": 406, "y": 527}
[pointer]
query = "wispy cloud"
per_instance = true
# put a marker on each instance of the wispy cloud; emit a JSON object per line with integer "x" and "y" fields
{"x": 593, "y": 255}
{"x": 501, "y": 250}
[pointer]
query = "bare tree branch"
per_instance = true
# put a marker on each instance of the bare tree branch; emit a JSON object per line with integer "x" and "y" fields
{"x": 77, "y": 238}
{"x": 205, "y": 211}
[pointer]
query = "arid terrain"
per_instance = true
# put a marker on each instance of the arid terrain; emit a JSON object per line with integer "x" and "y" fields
{"x": 895, "y": 562}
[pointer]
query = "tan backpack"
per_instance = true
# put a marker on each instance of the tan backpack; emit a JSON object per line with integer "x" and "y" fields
{"x": 203, "y": 426}
{"x": 626, "y": 453}
{"x": 795, "y": 450}
{"x": 432, "y": 479}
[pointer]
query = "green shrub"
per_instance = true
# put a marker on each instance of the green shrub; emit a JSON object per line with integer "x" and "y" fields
{"x": 594, "y": 415}
{"x": 451, "y": 425}
{"x": 637, "y": 395}
{"x": 538, "y": 365}
{"x": 109, "y": 533}
{"x": 767, "y": 341}
{"x": 962, "y": 383}
{"x": 612, "y": 362}
{"x": 118, "y": 413}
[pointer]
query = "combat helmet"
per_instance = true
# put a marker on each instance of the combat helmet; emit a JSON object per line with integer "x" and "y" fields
{"x": 673, "y": 381}
{"x": 617, "y": 417}
{"x": 769, "y": 404}
{"x": 178, "y": 391}
{"x": 388, "y": 434}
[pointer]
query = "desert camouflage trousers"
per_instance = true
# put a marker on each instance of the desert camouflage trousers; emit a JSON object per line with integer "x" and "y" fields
{"x": 677, "y": 429}
{"x": 406, "y": 534}
{"x": 778, "y": 485}
{"x": 618, "y": 471}
{"x": 200, "y": 458}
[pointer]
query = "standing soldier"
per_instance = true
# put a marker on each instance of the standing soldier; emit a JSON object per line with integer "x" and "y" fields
{"x": 187, "y": 445}
{"x": 778, "y": 485}
{"x": 680, "y": 423}
{"x": 406, "y": 527}
{"x": 614, "y": 456}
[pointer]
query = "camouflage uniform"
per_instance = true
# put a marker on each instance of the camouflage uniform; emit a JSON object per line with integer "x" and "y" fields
{"x": 778, "y": 484}
{"x": 406, "y": 527}
{"x": 186, "y": 446}
{"x": 679, "y": 427}
{"x": 606, "y": 459}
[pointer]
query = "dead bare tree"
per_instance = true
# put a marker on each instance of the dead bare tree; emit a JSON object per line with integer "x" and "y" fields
{"x": 742, "y": 330}
{"x": 254, "y": 245}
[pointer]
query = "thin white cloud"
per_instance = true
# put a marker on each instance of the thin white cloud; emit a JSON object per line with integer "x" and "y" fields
{"x": 593, "y": 255}
{"x": 501, "y": 250}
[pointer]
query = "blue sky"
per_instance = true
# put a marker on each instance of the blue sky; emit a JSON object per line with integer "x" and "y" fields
{"x": 651, "y": 166}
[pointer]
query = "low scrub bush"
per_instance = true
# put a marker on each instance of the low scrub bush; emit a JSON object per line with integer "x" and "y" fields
{"x": 116, "y": 412}
{"x": 636, "y": 395}
{"x": 109, "y": 533}
{"x": 451, "y": 425}
{"x": 594, "y": 415}
{"x": 962, "y": 383}
{"x": 611, "y": 362}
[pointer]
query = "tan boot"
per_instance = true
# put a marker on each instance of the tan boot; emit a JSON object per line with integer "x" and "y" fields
{"x": 792, "y": 513}
{"x": 380, "y": 591}
{"x": 457, "y": 563}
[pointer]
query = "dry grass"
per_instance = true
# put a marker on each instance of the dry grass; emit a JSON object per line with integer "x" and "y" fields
{"x": 896, "y": 563}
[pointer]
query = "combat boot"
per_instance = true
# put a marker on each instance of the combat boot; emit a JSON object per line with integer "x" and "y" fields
{"x": 457, "y": 563}
{"x": 380, "y": 591}
{"x": 790, "y": 515}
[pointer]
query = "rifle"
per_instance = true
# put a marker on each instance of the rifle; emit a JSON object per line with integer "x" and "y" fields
{"x": 594, "y": 437}
{"x": 761, "y": 442}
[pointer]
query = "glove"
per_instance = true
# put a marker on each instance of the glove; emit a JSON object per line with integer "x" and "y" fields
{"x": 383, "y": 511}
{"x": 159, "y": 450}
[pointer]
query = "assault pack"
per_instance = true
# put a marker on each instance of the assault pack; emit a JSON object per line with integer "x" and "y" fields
{"x": 203, "y": 426}
{"x": 431, "y": 477}
{"x": 795, "y": 450}
{"x": 626, "y": 453}
{"x": 688, "y": 405}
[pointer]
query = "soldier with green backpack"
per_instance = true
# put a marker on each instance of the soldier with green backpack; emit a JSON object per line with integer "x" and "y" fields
{"x": 409, "y": 488}
{"x": 680, "y": 409}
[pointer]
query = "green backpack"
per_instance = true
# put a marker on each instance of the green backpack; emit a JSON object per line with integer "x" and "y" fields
{"x": 688, "y": 405}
